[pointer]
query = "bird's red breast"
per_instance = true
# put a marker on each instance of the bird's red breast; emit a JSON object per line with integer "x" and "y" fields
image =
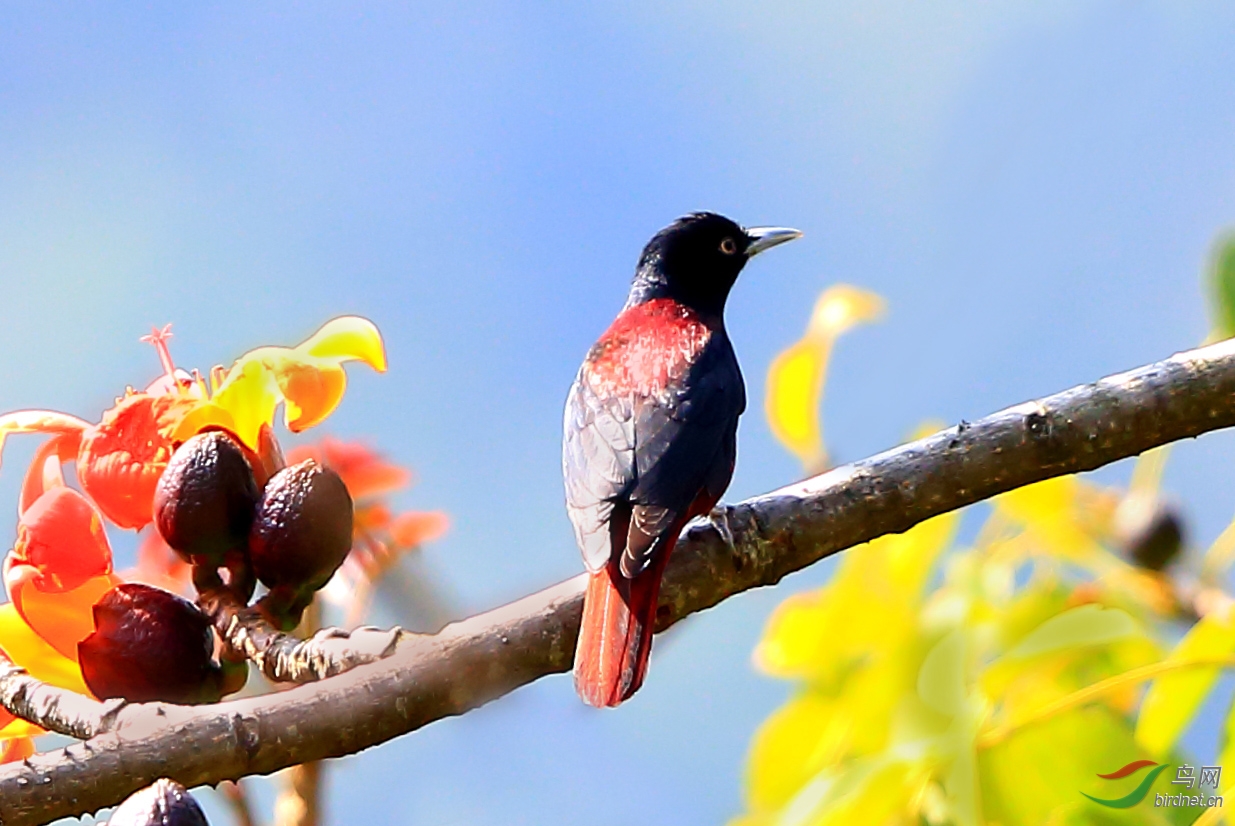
{"x": 647, "y": 348}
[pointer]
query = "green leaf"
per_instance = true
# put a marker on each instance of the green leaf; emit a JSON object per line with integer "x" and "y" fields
{"x": 1042, "y": 773}
{"x": 870, "y": 790}
{"x": 1086, "y": 625}
{"x": 1227, "y": 752}
{"x": 941, "y": 681}
{"x": 1173, "y": 698}
{"x": 1222, "y": 286}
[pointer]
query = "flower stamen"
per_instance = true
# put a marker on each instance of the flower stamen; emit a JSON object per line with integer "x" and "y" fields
{"x": 159, "y": 338}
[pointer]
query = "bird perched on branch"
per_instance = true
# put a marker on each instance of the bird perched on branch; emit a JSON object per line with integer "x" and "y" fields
{"x": 650, "y": 436}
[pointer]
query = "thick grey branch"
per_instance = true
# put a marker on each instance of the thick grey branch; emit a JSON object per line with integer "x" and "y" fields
{"x": 742, "y": 546}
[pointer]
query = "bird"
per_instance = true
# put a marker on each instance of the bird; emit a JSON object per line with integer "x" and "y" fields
{"x": 650, "y": 437}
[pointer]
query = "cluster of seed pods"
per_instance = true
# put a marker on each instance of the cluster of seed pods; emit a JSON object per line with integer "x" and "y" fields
{"x": 289, "y": 528}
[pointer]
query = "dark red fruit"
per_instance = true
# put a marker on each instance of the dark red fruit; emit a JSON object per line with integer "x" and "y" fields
{"x": 301, "y": 534}
{"x": 149, "y": 644}
{"x": 205, "y": 500}
{"x": 166, "y": 803}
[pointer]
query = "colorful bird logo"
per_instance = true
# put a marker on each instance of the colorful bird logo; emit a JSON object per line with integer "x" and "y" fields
{"x": 1136, "y": 795}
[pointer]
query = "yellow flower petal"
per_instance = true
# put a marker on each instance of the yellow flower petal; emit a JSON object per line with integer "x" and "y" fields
{"x": 19, "y": 729}
{"x": 308, "y": 378}
{"x": 32, "y": 653}
{"x": 204, "y": 415}
{"x": 348, "y": 338}
{"x": 250, "y": 395}
{"x": 61, "y": 619}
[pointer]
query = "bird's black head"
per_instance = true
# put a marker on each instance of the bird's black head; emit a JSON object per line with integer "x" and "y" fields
{"x": 696, "y": 260}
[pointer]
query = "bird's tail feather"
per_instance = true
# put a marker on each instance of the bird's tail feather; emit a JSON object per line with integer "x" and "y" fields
{"x": 615, "y": 638}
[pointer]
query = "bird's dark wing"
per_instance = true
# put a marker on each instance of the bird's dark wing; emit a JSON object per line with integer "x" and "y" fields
{"x": 685, "y": 445}
{"x": 598, "y": 464}
{"x": 636, "y": 460}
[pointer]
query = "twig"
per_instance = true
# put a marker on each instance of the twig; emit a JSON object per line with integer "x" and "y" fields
{"x": 741, "y": 547}
{"x": 55, "y": 709}
{"x": 298, "y": 804}
{"x": 284, "y": 658}
{"x": 299, "y": 800}
{"x": 238, "y": 801}
{"x": 1089, "y": 693}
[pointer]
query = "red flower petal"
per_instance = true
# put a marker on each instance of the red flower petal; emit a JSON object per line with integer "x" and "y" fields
{"x": 416, "y": 527}
{"x": 365, "y": 472}
{"x": 122, "y": 457}
{"x": 61, "y": 537}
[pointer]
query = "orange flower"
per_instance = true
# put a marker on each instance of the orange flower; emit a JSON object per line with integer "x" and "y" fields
{"x": 23, "y": 646}
{"x": 365, "y": 472}
{"x": 120, "y": 459}
{"x": 159, "y": 565}
{"x": 60, "y": 565}
{"x": 123, "y": 456}
{"x": 16, "y": 748}
{"x": 308, "y": 380}
{"x": 61, "y": 562}
{"x": 417, "y": 527}
{"x": 380, "y": 538}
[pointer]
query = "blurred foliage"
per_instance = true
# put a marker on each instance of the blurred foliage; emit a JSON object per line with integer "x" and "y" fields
{"x": 1222, "y": 287}
{"x": 990, "y": 682}
{"x": 796, "y": 377}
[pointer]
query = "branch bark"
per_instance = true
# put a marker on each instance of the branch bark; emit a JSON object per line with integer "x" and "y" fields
{"x": 741, "y": 546}
{"x": 284, "y": 658}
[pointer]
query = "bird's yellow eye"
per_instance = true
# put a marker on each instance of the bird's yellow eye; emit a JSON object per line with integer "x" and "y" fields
{"x": 728, "y": 246}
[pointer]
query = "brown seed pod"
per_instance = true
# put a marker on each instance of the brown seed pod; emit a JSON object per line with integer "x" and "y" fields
{"x": 206, "y": 498}
{"x": 302, "y": 532}
{"x": 1149, "y": 529}
{"x": 165, "y": 803}
{"x": 149, "y": 644}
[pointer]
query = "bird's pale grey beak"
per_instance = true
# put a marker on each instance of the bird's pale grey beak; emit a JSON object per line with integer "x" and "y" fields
{"x": 764, "y": 238}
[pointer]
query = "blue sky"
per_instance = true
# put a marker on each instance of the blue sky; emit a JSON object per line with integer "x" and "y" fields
{"x": 1032, "y": 186}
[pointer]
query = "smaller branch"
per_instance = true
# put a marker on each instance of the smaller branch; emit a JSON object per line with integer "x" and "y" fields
{"x": 238, "y": 801}
{"x": 55, "y": 709}
{"x": 283, "y": 658}
{"x": 1089, "y": 693}
{"x": 297, "y": 804}
{"x": 298, "y": 800}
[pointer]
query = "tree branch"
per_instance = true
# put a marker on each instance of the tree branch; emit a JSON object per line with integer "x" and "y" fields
{"x": 284, "y": 658}
{"x": 742, "y": 546}
{"x": 55, "y": 709}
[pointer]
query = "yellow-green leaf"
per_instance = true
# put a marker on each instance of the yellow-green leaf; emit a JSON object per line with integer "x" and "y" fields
{"x": 1085, "y": 625}
{"x": 1037, "y": 775}
{"x": 941, "y": 681}
{"x": 796, "y": 742}
{"x": 871, "y": 791}
{"x": 797, "y": 375}
{"x": 1222, "y": 286}
{"x": 1173, "y": 698}
{"x": 816, "y": 632}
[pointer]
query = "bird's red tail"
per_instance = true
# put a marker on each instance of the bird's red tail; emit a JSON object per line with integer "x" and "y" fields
{"x": 615, "y": 638}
